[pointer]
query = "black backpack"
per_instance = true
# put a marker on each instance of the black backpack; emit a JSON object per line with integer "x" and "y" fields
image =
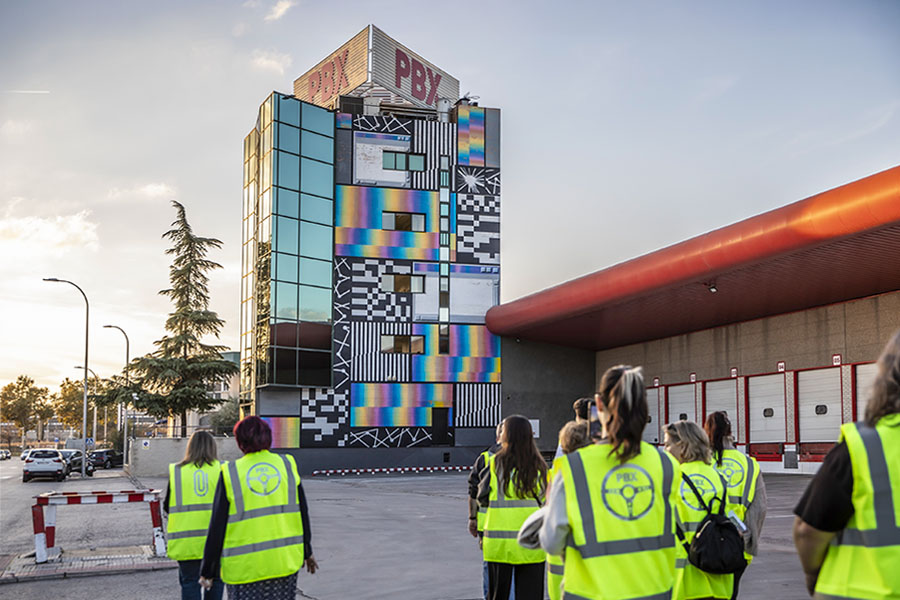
{"x": 717, "y": 546}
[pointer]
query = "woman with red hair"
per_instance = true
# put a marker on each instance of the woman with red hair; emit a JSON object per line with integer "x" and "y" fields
{"x": 259, "y": 533}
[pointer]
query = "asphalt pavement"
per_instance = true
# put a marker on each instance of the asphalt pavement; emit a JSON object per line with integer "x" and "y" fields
{"x": 399, "y": 537}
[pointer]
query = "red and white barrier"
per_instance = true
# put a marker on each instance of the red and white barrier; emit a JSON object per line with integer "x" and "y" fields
{"x": 44, "y": 522}
{"x": 329, "y": 472}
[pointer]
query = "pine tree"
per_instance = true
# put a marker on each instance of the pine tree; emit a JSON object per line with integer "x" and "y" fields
{"x": 174, "y": 378}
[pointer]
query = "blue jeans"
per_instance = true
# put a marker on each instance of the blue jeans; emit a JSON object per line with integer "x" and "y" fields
{"x": 512, "y": 587}
{"x": 189, "y": 576}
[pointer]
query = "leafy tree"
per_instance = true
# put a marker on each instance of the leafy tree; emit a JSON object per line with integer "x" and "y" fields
{"x": 69, "y": 400}
{"x": 225, "y": 418}
{"x": 44, "y": 410}
{"x": 173, "y": 379}
{"x": 19, "y": 401}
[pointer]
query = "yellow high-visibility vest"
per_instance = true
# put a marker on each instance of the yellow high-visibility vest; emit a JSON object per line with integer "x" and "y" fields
{"x": 505, "y": 515}
{"x": 191, "y": 493}
{"x": 264, "y": 538}
{"x": 864, "y": 560}
{"x": 691, "y": 582}
{"x": 555, "y": 565}
{"x": 740, "y": 472}
{"x": 482, "y": 510}
{"x": 623, "y": 524}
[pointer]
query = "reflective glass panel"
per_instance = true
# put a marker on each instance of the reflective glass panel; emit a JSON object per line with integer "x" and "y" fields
{"x": 286, "y": 235}
{"x": 401, "y": 162}
{"x": 445, "y": 209}
{"x": 284, "y": 333}
{"x": 387, "y": 160}
{"x": 288, "y": 171}
{"x": 313, "y": 208}
{"x": 315, "y": 368}
{"x": 318, "y": 120}
{"x": 287, "y": 203}
{"x": 317, "y": 178}
{"x": 289, "y": 111}
{"x": 417, "y": 345}
{"x": 445, "y": 163}
{"x": 288, "y": 138}
{"x": 416, "y": 162}
{"x": 315, "y": 304}
{"x": 286, "y": 300}
{"x": 387, "y": 220}
{"x": 318, "y": 147}
{"x": 418, "y": 222}
{"x": 285, "y": 366}
{"x": 315, "y": 241}
{"x": 285, "y": 267}
{"x": 387, "y": 343}
{"x": 315, "y": 335}
{"x": 315, "y": 272}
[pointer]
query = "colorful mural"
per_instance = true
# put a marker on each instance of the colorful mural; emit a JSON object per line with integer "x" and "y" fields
{"x": 470, "y": 136}
{"x": 285, "y": 431}
{"x": 396, "y": 404}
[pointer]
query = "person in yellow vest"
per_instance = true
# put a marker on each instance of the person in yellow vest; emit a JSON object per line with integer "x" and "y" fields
{"x": 189, "y": 502}
{"x": 746, "y": 487}
{"x": 847, "y": 529}
{"x": 512, "y": 488}
{"x": 611, "y": 504}
{"x": 687, "y": 442}
{"x": 259, "y": 535}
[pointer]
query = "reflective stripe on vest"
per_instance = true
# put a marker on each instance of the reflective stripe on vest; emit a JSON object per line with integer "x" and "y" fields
{"x": 504, "y": 518}
{"x": 739, "y": 493}
{"x": 482, "y": 510}
{"x": 257, "y": 514}
{"x": 667, "y": 595}
{"x": 190, "y": 508}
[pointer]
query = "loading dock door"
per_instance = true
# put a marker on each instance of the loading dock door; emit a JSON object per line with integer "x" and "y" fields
{"x": 681, "y": 403}
{"x": 651, "y": 431}
{"x": 766, "y": 398}
{"x": 819, "y": 401}
{"x": 865, "y": 377}
{"x": 722, "y": 395}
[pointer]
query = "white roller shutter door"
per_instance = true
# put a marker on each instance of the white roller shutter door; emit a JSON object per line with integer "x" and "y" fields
{"x": 865, "y": 377}
{"x": 766, "y": 398}
{"x": 651, "y": 431}
{"x": 722, "y": 396}
{"x": 681, "y": 403}
{"x": 819, "y": 401}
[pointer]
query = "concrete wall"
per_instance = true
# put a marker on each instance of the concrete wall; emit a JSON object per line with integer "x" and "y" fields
{"x": 150, "y": 457}
{"x": 857, "y": 330}
{"x": 540, "y": 381}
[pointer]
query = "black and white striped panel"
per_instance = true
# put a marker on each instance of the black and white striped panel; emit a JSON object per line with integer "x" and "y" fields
{"x": 477, "y": 405}
{"x": 368, "y": 362}
{"x": 432, "y": 139}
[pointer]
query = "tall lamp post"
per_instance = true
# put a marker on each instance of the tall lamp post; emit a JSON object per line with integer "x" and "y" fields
{"x": 94, "y": 434}
{"x": 87, "y": 314}
{"x": 125, "y": 408}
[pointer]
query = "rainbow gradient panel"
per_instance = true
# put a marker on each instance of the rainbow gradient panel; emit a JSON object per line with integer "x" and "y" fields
{"x": 470, "y": 136}
{"x": 397, "y": 404}
{"x": 285, "y": 431}
{"x": 474, "y": 355}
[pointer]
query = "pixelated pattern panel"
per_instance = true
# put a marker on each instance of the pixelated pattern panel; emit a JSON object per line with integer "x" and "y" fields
{"x": 433, "y": 139}
{"x": 323, "y": 414}
{"x": 368, "y": 301}
{"x": 477, "y": 405}
{"x": 388, "y": 124}
{"x": 478, "y": 180}
{"x": 472, "y": 203}
{"x": 470, "y": 136}
{"x": 397, "y": 404}
{"x": 369, "y": 362}
{"x": 478, "y": 238}
{"x": 390, "y": 437}
{"x": 285, "y": 431}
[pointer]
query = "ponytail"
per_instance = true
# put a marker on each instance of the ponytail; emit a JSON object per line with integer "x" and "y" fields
{"x": 717, "y": 427}
{"x": 624, "y": 398}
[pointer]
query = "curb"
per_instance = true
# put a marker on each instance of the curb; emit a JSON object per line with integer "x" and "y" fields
{"x": 7, "y": 578}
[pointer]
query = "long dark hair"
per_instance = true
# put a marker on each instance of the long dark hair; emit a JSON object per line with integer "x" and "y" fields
{"x": 624, "y": 398}
{"x": 717, "y": 428}
{"x": 885, "y": 398}
{"x": 520, "y": 459}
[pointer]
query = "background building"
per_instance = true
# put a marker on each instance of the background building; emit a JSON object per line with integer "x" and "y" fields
{"x": 371, "y": 220}
{"x": 776, "y": 319}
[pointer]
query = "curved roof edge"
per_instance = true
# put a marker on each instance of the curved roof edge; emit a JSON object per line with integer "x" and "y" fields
{"x": 856, "y": 207}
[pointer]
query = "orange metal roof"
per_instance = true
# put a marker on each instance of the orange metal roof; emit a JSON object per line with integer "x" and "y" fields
{"x": 835, "y": 246}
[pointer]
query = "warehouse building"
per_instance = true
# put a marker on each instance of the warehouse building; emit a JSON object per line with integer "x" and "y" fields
{"x": 777, "y": 320}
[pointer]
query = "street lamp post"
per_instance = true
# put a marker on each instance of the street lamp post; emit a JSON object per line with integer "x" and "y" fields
{"x": 125, "y": 408}
{"x": 94, "y": 434}
{"x": 87, "y": 315}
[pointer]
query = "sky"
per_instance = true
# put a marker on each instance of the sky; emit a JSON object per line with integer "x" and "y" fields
{"x": 627, "y": 127}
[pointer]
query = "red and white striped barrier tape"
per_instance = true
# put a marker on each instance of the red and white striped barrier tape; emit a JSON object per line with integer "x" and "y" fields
{"x": 44, "y": 523}
{"x": 329, "y": 472}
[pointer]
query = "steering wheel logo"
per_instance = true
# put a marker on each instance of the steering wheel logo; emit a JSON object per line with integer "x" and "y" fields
{"x": 263, "y": 479}
{"x": 732, "y": 471}
{"x": 703, "y": 485}
{"x": 628, "y": 492}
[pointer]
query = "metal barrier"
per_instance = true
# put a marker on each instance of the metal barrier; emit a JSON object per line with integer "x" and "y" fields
{"x": 328, "y": 472}
{"x": 45, "y": 523}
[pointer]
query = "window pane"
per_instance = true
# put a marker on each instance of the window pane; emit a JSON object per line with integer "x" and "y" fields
{"x": 443, "y": 344}
{"x": 285, "y": 366}
{"x": 401, "y": 344}
{"x": 288, "y": 138}
{"x": 288, "y": 171}
{"x": 445, "y": 269}
{"x": 403, "y": 222}
{"x": 315, "y": 241}
{"x": 445, "y": 284}
{"x": 315, "y": 368}
{"x": 444, "y": 299}
{"x": 317, "y": 178}
{"x": 416, "y": 162}
{"x": 387, "y": 220}
{"x": 445, "y": 179}
{"x": 286, "y": 300}
{"x": 286, "y": 235}
{"x": 318, "y": 147}
{"x": 287, "y": 203}
{"x": 445, "y": 209}
{"x": 284, "y": 333}
{"x": 418, "y": 222}
{"x": 417, "y": 345}
{"x": 387, "y": 283}
{"x": 315, "y": 272}
{"x": 387, "y": 343}
{"x": 313, "y": 208}
{"x": 401, "y": 283}
{"x": 289, "y": 111}
{"x": 318, "y": 120}
{"x": 315, "y": 304}
{"x": 445, "y": 223}
{"x": 387, "y": 160}
{"x": 286, "y": 267}
{"x": 401, "y": 161}
{"x": 445, "y": 163}
{"x": 315, "y": 335}
{"x": 417, "y": 284}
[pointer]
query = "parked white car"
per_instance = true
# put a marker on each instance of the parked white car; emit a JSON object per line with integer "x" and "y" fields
{"x": 5, "y": 455}
{"x": 42, "y": 462}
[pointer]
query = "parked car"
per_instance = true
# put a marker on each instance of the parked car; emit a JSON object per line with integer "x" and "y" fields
{"x": 43, "y": 462}
{"x": 5, "y": 455}
{"x": 106, "y": 459}
{"x": 24, "y": 454}
{"x": 73, "y": 462}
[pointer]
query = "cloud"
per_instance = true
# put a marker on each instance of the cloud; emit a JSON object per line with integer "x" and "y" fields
{"x": 239, "y": 29}
{"x": 148, "y": 190}
{"x": 27, "y": 237}
{"x": 27, "y": 91}
{"x": 271, "y": 60}
{"x": 277, "y": 11}
{"x": 14, "y": 128}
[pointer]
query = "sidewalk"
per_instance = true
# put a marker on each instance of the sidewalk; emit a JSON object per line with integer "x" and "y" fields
{"x": 83, "y": 562}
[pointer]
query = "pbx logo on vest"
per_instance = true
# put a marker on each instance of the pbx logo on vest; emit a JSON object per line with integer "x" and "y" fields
{"x": 704, "y": 486}
{"x": 628, "y": 492}
{"x": 201, "y": 483}
{"x": 732, "y": 471}
{"x": 263, "y": 479}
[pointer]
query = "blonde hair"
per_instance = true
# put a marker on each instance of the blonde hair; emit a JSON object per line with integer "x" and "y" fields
{"x": 573, "y": 436}
{"x": 201, "y": 450}
{"x": 687, "y": 442}
{"x": 885, "y": 399}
